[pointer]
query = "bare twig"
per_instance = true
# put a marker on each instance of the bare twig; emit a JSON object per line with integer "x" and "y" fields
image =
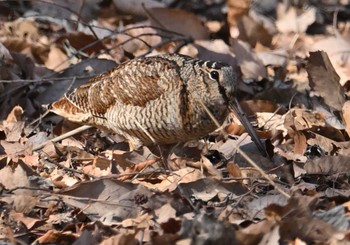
{"x": 261, "y": 171}
{"x": 44, "y": 79}
{"x": 63, "y": 136}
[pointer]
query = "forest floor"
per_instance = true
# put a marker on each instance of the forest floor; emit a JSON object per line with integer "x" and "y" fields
{"x": 88, "y": 188}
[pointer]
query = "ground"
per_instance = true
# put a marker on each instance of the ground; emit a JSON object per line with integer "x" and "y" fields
{"x": 63, "y": 184}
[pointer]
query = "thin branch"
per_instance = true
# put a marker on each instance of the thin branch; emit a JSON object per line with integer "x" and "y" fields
{"x": 261, "y": 171}
{"x": 45, "y": 79}
{"x": 63, "y": 136}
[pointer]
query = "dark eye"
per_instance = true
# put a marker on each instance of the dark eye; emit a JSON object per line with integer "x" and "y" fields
{"x": 214, "y": 75}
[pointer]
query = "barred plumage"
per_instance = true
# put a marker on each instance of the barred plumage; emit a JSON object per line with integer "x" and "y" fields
{"x": 163, "y": 95}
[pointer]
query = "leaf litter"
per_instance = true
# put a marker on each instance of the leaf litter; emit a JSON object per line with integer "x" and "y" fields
{"x": 88, "y": 188}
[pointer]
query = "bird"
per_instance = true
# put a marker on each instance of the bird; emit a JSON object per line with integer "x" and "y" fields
{"x": 164, "y": 99}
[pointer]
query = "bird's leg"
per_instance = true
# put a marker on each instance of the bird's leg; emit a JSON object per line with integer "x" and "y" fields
{"x": 237, "y": 110}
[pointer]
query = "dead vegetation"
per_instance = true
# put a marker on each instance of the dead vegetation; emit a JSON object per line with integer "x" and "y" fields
{"x": 87, "y": 188}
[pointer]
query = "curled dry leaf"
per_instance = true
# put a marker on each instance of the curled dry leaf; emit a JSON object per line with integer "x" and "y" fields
{"x": 15, "y": 115}
{"x": 13, "y": 126}
{"x": 299, "y": 143}
{"x": 328, "y": 145}
{"x": 210, "y": 168}
{"x": 170, "y": 183}
{"x": 301, "y": 119}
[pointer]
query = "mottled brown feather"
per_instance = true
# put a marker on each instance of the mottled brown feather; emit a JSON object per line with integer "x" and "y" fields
{"x": 162, "y": 95}
{"x": 125, "y": 84}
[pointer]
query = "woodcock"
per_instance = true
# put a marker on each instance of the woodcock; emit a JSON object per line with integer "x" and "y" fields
{"x": 165, "y": 97}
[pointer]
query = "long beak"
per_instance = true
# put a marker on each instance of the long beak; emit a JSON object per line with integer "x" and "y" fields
{"x": 237, "y": 110}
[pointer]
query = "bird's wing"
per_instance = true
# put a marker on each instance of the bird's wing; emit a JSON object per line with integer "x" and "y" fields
{"x": 136, "y": 83}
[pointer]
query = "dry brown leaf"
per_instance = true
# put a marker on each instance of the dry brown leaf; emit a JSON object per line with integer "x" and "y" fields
{"x": 179, "y": 21}
{"x": 322, "y": 77}
{"x": 328, "y": 165}
{"x": 29, "y": 222}
{"x": 299, "y": 143}
{"x": 301, "y": 119}
{"x": 15, "y": 115}
{"x": 208, "y": 188}
{"x": 139, "y": 167}
{"x": 346, "y": 116}
{"x": 253, "y": 32}
{"x": 82, "y": 42}
{"x": 22, "y": 199}
{"x": 234, "y": 170}
{"x": 102, "y": 163}
{"x": 121, "y": 239}
{"x": 255, "y": 231}
{"x": 170, "y": 183}
{"x": 13, "y": 130}
{"x": 216, "y": 50}
{"x": 57, "y": 60}
{"x": 165, "y": 213}
{"x": 127, "y": 160}
{"x": 56, "y": 237}
{"x": 31, "y": 160}
{"x": 137, "y": 46}
{"x": 137, "y": 7}
{"x": 253, "y": 106}
{"x": 237, "y": 9}
{"x": 292, "y": 21}
{"x": 276, "y": 57}
{"x": 13, "y": 150}
{"x": 328, "y": 145}
{"x": 271, "y": 121}
{"x": 337, "y": 49}
{"x": 247, "y": 59}
{"x": 21, "y": 28}
{"x": 235, "y": 127}
{"x": 109, "y": 200}
{"x": 210, "y": 168}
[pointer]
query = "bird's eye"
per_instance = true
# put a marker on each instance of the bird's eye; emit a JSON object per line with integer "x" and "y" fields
{"x": 214, "y": 75}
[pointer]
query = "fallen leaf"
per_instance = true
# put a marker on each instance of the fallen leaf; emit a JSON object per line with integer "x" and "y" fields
{"x": 328, "y": 165}
{"x": 346, "y": 116}
{"x": 292, "y": 21}
{"x": 336, "y": 48}
{"x": 322, "y": 77}
{"x": 178, "y": 21}
{"x": 247, "y": 59}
